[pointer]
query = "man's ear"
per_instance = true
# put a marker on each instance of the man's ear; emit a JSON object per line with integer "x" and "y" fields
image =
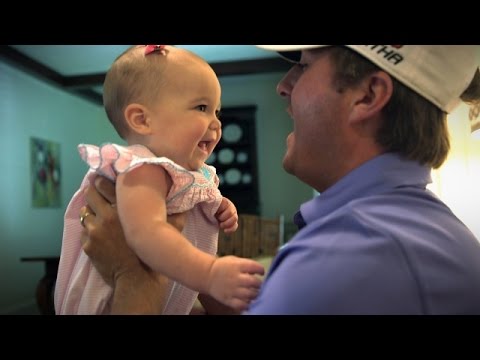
{"x": 371, "y": 96}
{"x": 137, "y": 119}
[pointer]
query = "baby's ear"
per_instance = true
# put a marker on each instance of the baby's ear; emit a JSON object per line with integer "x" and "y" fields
{"x": 137, "y": 119}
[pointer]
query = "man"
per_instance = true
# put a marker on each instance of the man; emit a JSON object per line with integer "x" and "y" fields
{"x": 369, "y": 125}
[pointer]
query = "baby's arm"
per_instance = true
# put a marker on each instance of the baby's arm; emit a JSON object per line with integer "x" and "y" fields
{"x": 227, "y": 216}
{"x": 141, "y": 195}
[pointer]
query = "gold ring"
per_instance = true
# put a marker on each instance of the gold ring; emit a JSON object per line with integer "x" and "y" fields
{"x": 83, "y": 217}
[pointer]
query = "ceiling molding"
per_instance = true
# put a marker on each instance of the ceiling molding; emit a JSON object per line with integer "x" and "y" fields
{"x": 81, "y": 84}
{"x": 247, "y": 67}
{"x": 27, "y": 64}
{"x": 91, "y": 95}
{"x": 32, "y": 67}
{"x": 228, "y": 68}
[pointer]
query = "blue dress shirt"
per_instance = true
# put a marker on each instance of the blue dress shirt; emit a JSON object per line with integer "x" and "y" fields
{"x": 376, "y": 242}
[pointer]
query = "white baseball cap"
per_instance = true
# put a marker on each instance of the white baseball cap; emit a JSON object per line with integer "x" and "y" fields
{"x": 440, "y": 73}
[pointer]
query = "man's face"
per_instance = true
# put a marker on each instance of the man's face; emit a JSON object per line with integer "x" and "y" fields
{"x": 315, "y": 147}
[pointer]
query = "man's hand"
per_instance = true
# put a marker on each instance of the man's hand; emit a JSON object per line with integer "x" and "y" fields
{"x": 177, "y": 220}
{"x": 104, "y": 241}
{"x": 137, "y": 290}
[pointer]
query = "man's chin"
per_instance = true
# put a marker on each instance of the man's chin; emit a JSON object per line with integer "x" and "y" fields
{"x": 288, "y": 165}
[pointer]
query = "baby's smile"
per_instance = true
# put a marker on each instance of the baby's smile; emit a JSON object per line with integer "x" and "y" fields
{"x": 206, "y": 146}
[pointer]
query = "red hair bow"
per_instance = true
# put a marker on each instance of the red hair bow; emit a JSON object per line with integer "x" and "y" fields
{"x": 152, "y": 48}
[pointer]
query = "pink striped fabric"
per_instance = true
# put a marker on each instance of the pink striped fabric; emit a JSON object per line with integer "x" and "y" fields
{"x": 79, "y": 288}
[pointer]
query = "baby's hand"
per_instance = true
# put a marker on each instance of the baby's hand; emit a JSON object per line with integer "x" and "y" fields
{"x": 234, "y": 281}
{"x": 227, "y": 216}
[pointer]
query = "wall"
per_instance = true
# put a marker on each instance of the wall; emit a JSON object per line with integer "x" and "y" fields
{"x": 458, "y": 179}
{"x": 29, "y": 107}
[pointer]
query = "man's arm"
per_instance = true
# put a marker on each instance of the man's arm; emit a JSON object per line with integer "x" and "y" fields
{"x": 137, "y": 290}
{"x": 139, "y": 293}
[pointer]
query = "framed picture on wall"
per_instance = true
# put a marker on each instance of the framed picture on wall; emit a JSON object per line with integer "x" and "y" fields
{"x": 45, "y": 173}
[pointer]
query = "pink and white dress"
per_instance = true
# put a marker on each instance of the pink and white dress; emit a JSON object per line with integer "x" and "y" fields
{"x": 79, "y": 288}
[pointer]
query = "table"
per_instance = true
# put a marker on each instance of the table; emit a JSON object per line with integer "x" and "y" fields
{"x": 46, "y": 285}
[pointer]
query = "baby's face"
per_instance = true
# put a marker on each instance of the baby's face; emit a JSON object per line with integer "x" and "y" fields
{"x": 185, "y": 125}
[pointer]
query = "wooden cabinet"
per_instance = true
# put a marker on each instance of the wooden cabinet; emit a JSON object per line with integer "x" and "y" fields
{"x": 256, "y": 236}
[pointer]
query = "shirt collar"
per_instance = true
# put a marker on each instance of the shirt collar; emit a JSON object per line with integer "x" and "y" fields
{"x": 378, "y": 175}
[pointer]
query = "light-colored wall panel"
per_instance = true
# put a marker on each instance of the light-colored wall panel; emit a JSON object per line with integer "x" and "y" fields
{"x": 30, "y": 107}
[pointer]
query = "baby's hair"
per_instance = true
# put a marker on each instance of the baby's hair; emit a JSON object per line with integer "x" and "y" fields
{"x": 134, "y": 77}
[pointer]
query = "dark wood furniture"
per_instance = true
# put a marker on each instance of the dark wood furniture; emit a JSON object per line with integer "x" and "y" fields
{"x": 46, "y": 285}
{"x": 256, "y": 236}
{"x": 235, "y": 158}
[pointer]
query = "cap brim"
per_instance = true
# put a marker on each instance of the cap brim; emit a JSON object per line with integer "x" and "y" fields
{"x": 289, "y": 52}
{"x": 281, "y": 48}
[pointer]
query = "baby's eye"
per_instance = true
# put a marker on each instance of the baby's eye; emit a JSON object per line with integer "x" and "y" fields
{"x": 218, "y": 114}
{"x": 202, "y": 108}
